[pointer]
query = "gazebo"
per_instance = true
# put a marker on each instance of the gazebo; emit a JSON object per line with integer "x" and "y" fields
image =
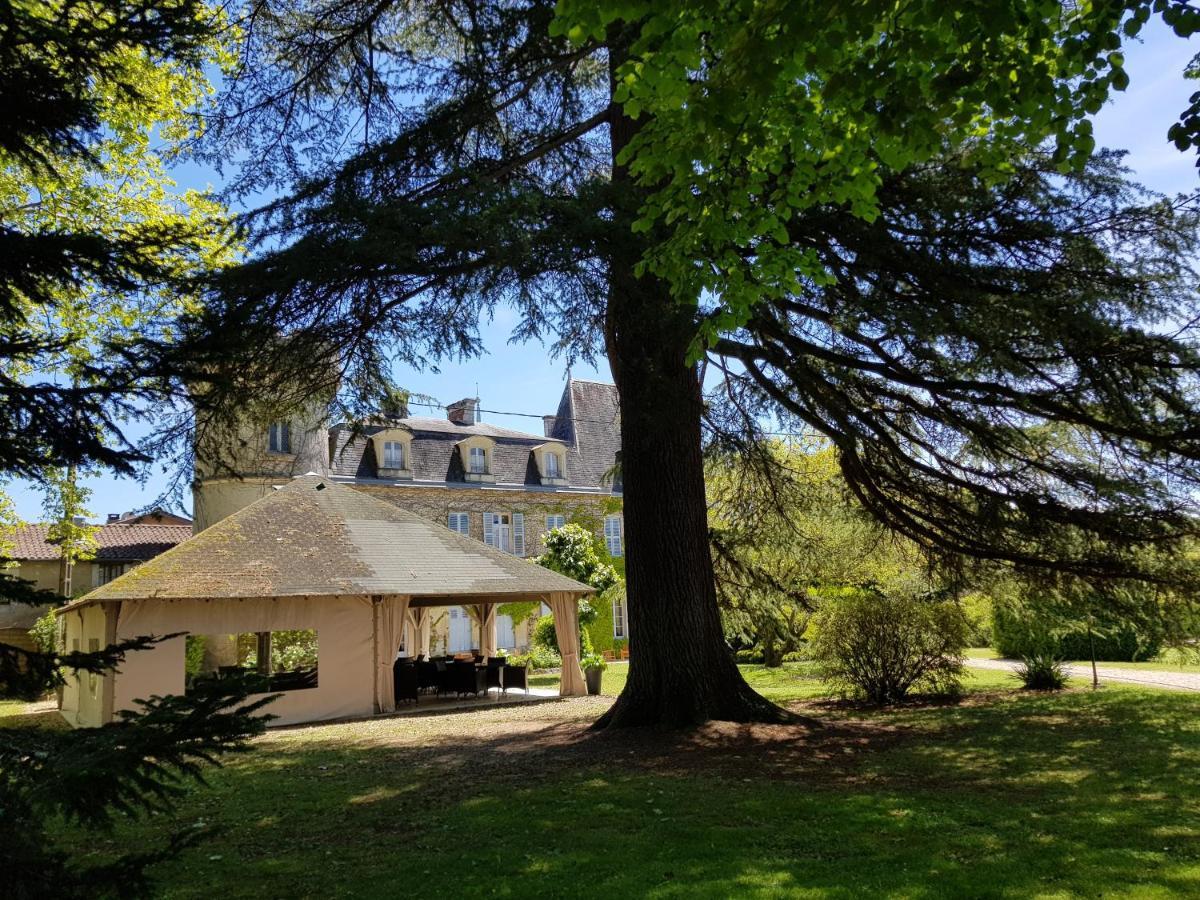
{"x": 312, "y": 556}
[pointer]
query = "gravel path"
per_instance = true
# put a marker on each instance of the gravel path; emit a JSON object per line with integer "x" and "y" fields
{"x": 1179, "y": 681}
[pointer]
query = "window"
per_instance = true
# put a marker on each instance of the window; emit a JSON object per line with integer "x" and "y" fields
{"x": 505, "y": 532}
{"x": 460, "y": 522}
{"x": 478, "y": 461}
{"x": 553, "y": 522}
{"x": 552, "y": 465}
{"x": 620, "y": 628}
{"x": 612, "y": 534}
{"x": 279, "y": 438}
{"x": 393, "y": 455}
{"x": 279, "y": 660}
{"x": 106, "y": 572}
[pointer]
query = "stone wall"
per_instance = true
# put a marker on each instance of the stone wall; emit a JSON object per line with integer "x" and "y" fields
{"x": 436, "y": 504}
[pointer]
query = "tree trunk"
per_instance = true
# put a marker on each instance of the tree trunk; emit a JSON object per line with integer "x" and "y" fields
{"x": 681, "y": 672}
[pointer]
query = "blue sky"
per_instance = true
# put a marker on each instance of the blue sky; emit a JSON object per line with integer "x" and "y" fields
{"x": 523, "y": 378}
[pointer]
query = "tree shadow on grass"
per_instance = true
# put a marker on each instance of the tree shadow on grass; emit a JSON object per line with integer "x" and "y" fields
{"x": 1078, "y": 794}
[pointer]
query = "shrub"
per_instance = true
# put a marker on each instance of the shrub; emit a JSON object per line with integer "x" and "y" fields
{"x": 536, "y": 658}
{"x": 45, "y": 633}
{"x": 978, "y": 609}
{"x": 545, "y": 637}
{"x": 1042, "y": 672}
{"x": 881, "y": 646}
{"x": 1019, "y": 631}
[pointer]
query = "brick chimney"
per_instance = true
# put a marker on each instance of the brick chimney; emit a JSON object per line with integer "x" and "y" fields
{"x": 548, "y": 423}
{"x": 464, "y": 412}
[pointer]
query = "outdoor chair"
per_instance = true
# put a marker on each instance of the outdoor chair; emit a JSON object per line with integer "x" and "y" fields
{"x": 515, "y": 677}
{"x": 404, "y": 681}
{"x": 467, "y": 678}
{"x": 427, "y": 675}
{"x": 442, "y": 676}
{"x": 495, "y": 666}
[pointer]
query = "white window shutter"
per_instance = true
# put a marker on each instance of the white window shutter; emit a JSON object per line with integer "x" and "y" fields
{"x": 518, "y": 523}
{"x": 489, "y": 529}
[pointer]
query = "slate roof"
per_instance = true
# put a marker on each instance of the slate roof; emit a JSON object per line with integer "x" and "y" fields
{"x": 433, "y": 453}
{"x": 118, "y": 542}
{"x": 315, "y": 537}
{"x": 588, "y": 423}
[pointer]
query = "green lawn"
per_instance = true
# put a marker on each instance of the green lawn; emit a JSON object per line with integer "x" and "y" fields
{"x": 1006, "y": 794}
{"x": 1167, "y": 661}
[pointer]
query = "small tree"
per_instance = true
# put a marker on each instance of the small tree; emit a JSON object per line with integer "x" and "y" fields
{"x": 575, "y": 552}
{"x": 882, "y": 645}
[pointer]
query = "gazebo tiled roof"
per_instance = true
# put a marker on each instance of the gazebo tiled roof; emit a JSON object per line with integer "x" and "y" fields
{"x": 315, "y": 537}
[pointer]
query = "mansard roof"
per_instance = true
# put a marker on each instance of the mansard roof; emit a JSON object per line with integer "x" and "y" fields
{"x": 588, "y": 425}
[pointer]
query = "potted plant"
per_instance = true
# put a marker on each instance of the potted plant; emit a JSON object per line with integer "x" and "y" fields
{"x": 593, "y": 665}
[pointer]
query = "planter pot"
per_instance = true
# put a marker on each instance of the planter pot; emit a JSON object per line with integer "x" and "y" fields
{"x": 593, "y": 677}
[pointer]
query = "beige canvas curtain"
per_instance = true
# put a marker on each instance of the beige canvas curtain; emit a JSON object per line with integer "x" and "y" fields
{"x": 419, "y": 621}
{"x": 391, "y": 615}
{"x": 565, "y": 608}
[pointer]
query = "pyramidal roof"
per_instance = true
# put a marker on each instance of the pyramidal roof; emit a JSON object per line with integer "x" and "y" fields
{"x": 315, "y": 537}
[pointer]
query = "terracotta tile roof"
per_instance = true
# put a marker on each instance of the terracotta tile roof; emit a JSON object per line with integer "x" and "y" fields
{"x": 315, "y": 537}
{"x": 118, "y": 542}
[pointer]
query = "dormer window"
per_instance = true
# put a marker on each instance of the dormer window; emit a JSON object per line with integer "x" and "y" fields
{"x": 475, "y": 454}
{"x": 393, "y": 455}
{"x": 279, "y": 437}
{"x": 551, "y": 463}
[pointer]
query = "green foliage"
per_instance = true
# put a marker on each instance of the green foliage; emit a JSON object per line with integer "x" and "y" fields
{"x": 65, "y": 507}
{"x": 543, "y": 635}
{"x": 1032, "y": 625}
{"x": 593, "y": 661}
{"x": 1042, "y": 671}
{"x": 883, "y": 645}
{"x": 762, "y": 111}
{"x": 100, "y": 247}
{"x": 577, "y": 553}
{"x": 195, "y": 646}
{"x": 977, "y": 606}
{"x": 783, "y": 527}
{"x": 545, "y": 638}
{"x": 45, "y": 632}
{"x": 538, "y": 657}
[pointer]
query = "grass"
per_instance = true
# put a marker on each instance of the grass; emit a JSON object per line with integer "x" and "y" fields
{"x": 1005, "y": 794}
{"x": 1170, "y": 660}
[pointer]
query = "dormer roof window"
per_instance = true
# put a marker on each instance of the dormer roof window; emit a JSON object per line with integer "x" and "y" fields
{"x": 476, "y": 455}
{"x": 393, "y": 453}
{"x": 551, "y": 463}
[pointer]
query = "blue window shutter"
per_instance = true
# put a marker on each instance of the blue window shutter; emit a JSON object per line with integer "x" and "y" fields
{"x": 489, "y": 529}
{"x": 518, "y": 523}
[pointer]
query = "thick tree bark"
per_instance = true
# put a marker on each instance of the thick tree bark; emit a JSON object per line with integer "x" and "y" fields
{"x": 681, "y": 672}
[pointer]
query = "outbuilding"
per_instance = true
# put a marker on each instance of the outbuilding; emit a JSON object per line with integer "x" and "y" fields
{"x": 341, "y": 578}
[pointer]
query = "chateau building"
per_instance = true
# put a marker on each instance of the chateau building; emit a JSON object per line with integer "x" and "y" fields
{"x": 504, "y": 487}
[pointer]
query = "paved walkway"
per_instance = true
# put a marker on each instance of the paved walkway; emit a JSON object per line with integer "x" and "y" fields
{"x": 1179, "y": 681}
